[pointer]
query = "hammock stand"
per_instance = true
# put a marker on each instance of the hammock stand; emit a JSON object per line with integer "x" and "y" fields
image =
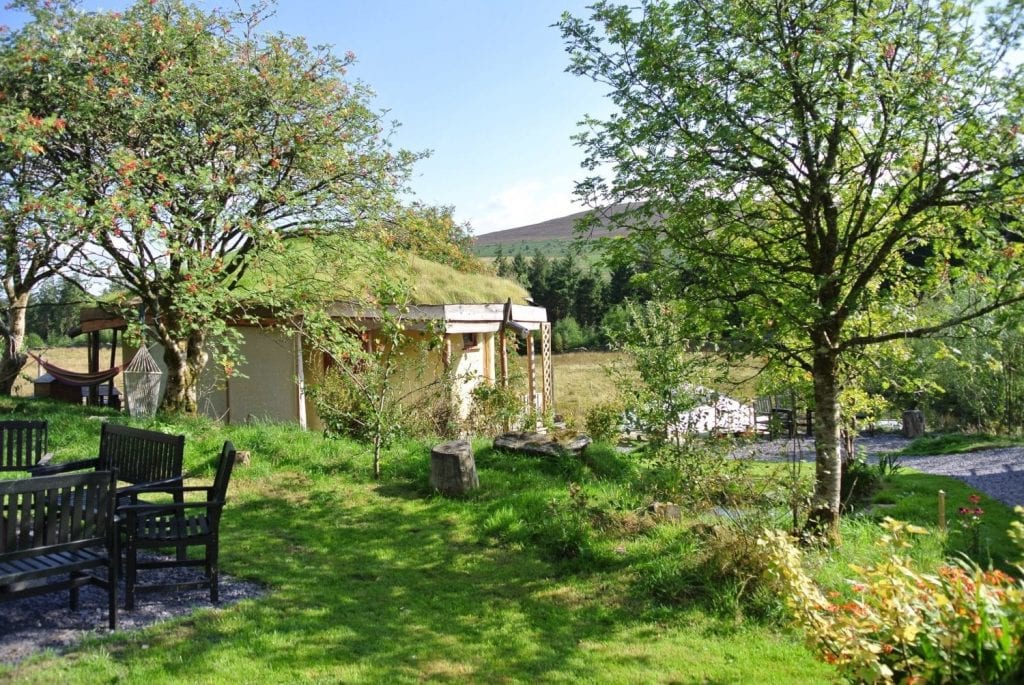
{"x": 142, "y": 379}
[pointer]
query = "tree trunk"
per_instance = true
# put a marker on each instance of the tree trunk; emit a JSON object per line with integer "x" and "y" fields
{"x": 13, "y": 359}
{"x": 824, "y": 516}
{"x": 185, "y": 360}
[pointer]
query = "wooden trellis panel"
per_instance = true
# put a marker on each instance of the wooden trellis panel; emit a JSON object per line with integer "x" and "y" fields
{"x": 548, "y": 368}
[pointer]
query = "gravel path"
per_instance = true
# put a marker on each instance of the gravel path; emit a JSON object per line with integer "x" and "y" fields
{"x": 998, "y": 473}
{"x": 33, "y": 624}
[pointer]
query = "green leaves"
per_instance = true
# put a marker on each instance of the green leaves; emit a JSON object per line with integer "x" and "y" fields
{"x": 202, "y": 143}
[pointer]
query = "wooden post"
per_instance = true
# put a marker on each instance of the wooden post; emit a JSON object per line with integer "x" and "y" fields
{"x": 113, "y": 360}
{"x": 446, "y": 354}
{"x": 913, "y": 423}
{"x": 503, "y": 357}
{"x": 942, "y": 510}
{"x": 503, "y": 343}
{"x": 300, "y": 382}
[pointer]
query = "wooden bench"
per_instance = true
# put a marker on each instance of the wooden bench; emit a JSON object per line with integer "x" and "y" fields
{"x": 141, "y": 458}
{"x": 53, "y": 531}
{"x": 23, "y": 445}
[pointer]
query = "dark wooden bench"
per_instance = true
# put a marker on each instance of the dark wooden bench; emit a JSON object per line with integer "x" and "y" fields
{"x": 54, "y": 531}
{"x": 23, "y": 445}
{"x": 142, "y": 458}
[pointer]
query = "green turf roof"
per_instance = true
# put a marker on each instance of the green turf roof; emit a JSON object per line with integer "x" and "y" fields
{"x": 326, "y": 266}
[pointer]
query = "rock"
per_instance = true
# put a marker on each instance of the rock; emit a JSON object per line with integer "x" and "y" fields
{"x": 666, "y": 511}
{"x": 452, "y": 468}
{"x": 541, "y": 444}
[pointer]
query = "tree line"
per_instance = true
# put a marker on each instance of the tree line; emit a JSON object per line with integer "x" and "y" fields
{"x": 584, "y": 301}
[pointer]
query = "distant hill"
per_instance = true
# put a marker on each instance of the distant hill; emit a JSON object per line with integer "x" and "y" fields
{"x": 552, "y": 237}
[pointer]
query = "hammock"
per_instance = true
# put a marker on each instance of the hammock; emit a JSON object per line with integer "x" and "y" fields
{"x": 72, "y": 378}
{"x": 142, "y": 379}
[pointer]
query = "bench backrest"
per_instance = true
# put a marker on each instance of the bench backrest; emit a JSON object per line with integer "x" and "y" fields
{"x": 22, "y": 444}
{"x": 140, "y": 456}
{"x": 55, "y": 513}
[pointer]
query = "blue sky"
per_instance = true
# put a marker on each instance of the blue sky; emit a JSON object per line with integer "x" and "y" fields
{"x": 480, "y": 83}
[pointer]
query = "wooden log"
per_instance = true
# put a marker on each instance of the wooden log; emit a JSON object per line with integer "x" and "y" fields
{"x": 452, "y": 468}
{"x": 913, "y": 423}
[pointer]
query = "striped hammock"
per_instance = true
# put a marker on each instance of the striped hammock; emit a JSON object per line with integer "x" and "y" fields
{"x": 75, "y": 379}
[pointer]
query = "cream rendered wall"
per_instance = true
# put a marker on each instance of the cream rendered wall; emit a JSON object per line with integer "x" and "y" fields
{"x": 470, "y": 370}
{"x": 268, "y": 392}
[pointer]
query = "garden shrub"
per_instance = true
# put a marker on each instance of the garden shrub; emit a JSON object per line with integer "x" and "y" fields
{"x": 963, "y": 624}
{"x": 699, "y": 473}
{"x": 565, "y": 532}
{"x": 859, "y": 481}
{"x": 603, "y": 420}
{"x": 497, "y": 407}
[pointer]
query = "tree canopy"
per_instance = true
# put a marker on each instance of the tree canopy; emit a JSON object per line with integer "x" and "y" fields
{"x": 205, "y": 143}
{"x": 808, "y": 172}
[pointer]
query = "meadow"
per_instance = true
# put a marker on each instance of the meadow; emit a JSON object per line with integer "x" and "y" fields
{"x": 550, "y": 572}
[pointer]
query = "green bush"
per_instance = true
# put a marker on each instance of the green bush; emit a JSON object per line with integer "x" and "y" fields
{"x": 603, "y": 420}
{"x": 566, "y": 335}
{"x": 699, "y": 473}
{"x": 859, "y": 481}
{"x": 33, "y": 341}
{"x": 496, "y": 408}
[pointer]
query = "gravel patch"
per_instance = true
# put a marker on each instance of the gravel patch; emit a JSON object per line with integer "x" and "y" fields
{"x": 44, "y": 622}
{"x": 999, "y": 473}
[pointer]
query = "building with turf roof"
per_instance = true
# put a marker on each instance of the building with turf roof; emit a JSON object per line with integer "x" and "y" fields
{"x": 472, "y": 316}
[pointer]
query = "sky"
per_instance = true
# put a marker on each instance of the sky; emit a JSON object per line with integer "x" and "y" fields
{"x": 479, "y": 83}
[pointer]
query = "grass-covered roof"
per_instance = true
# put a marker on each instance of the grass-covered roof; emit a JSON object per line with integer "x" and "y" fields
{"x": 344, "y": 272}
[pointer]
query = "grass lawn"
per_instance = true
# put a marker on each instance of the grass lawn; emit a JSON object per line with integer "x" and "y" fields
{"x": 386, "y": 582}
{"x": 958, "y": 443}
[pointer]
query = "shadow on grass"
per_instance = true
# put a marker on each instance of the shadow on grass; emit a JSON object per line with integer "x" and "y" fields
{"x": 390, "y": 588}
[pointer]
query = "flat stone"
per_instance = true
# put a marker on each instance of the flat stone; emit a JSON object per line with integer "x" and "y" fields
{"x": 541, "y": 444}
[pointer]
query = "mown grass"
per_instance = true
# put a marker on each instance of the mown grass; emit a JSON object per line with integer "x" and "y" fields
{"x": 958, "y": 443}
{"x": 384, "y": 581}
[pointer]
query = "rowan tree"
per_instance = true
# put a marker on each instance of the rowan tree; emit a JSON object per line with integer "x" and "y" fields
{"x": 208, "y": 142}
{"x": 39, "y": 204}
{"x": 809, "y": 171}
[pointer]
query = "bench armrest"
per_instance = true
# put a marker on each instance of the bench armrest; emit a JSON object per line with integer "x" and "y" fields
{"x": 166, "y": 485}
{"x": 64, "y": 467}
{"x": 133, "y": 510}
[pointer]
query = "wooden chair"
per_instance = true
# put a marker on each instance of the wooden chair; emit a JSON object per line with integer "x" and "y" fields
{"x": 147, "y": 525}
{"x": 23, "y": 445}
{"x": 774, "y": 417}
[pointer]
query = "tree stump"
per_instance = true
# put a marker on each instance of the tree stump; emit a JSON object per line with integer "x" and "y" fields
{"x": 452, "y": 468}
{"x": 913, "y": 423}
